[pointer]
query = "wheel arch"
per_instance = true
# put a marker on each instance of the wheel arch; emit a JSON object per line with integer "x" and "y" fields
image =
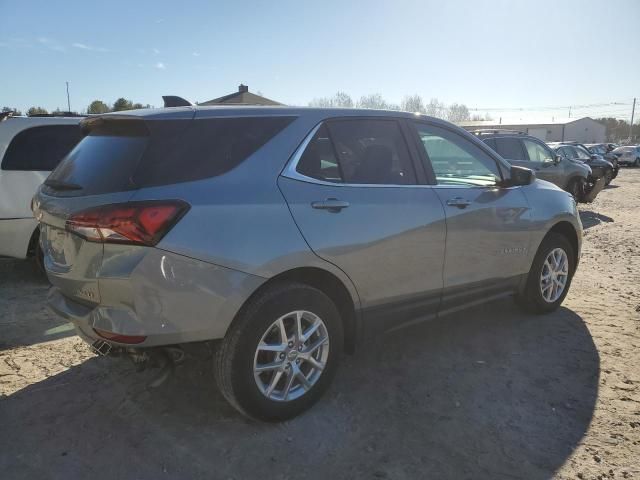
{"x": 567, "y": 230}
{"x": 33, "y": 242}
{"x": 332, "y": 286}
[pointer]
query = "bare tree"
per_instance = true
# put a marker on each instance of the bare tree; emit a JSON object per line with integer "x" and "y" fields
{"x": 458, "y": 112}
{"x": 340, "y": 99}
{"x": 435, "y": 108}
{"x": 477, "y": 117}
{"x": 413, "y": 103}
{"x": 373, "y": 100}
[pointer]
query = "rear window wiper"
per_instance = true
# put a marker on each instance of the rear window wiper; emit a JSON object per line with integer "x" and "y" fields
{"x": 60, "y": 185}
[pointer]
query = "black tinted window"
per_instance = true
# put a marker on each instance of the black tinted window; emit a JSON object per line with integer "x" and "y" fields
{"x": 371, "y": 152}
{"x": 510, "y": 148}
{"x": 203, "y": 148}
{"x": 491, "y": 142}
{"x": 319, "y": 160}
{"x": 100, "y": 164}
{"x": 124, "y": 154}
{"x": 40, "y": 148}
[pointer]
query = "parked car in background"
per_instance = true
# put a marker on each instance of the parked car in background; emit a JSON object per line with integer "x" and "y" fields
{"x": 629, "y": 155}
{"x": 610, "y": 174}
{"x": 525, "y": 150}
{"x": 611, "y": 146}
{"x": 600, "y": 168}
{"x": 602, "y": 150}
{"x": 30, "y": 147}
{"x": 287, "y": 235}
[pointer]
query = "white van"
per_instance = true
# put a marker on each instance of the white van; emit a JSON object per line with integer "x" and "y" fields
{"x": 30, "y": 147}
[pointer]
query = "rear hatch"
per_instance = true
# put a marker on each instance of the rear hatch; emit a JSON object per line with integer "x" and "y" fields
{"x": 103, "y": 169}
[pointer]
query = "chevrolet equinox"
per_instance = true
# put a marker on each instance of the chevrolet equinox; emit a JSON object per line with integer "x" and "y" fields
{"x": 287, "y": 235}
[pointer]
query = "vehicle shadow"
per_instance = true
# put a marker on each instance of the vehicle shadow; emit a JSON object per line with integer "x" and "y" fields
{"x": 488, "y": 393}
{"x": 591, "y": 219}
{"x": 22, "y": 288}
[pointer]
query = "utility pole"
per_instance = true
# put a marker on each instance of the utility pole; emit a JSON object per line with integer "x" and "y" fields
{"x": 569, "y": 111}
{"x": 633, "y": 111}
{"x": 68, "y": 101}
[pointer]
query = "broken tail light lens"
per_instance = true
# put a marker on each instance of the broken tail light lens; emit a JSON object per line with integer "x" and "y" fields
{"x": 133, "y": 223}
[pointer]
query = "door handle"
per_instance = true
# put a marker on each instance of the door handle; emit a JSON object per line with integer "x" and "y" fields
{"x": 458, "y": 202}
{"x": 332, "y": 204}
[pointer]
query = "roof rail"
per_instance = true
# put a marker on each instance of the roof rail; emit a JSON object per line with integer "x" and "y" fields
{"x": 488, "y": 131}
{"x": 175, "y": 101}
{"x": 58, "y": 114}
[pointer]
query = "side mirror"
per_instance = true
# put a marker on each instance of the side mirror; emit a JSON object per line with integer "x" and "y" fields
{"x": 594, "y": 156}
{"x": 557, "y": 159}
{"x": 520, "y": 176}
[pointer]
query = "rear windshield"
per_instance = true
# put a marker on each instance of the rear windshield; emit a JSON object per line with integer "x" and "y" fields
{"x": 40, "y": 148}
{"x": 113, "y": 159}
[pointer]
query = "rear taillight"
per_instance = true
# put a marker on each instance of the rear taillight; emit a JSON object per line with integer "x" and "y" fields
{"x": 137, "y": 223}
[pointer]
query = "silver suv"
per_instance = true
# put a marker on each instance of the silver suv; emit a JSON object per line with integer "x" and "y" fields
{"x": 287, "y": 235}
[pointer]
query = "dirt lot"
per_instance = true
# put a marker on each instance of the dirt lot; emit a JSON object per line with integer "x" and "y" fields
{"x": 490, "y": 393}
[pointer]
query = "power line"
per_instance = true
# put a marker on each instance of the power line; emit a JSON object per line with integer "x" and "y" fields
{"x": 560, "y": 107}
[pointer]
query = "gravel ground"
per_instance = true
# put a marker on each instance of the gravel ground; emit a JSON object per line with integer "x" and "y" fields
{"x": 489, "y": 393}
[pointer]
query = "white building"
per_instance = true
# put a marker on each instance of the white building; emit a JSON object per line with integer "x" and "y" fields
{"x": 583, "y": 130}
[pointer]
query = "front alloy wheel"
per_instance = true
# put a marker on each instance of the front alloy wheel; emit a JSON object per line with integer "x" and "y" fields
{"x": 291, "y": 356}
{"x": 554, "y": 276}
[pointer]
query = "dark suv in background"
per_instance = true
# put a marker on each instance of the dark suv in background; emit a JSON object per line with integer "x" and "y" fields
{"x": 525, "y": 150}
{"x": 579, "y": 153}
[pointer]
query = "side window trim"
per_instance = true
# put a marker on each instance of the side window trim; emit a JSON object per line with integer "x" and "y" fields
{"x": 290, "y": 169}
{"x": 427, "y": 161}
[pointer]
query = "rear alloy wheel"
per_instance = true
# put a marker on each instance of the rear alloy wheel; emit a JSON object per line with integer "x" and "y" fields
{"x": 550, "y": 275}
{"x": 281, "y": 352}
{"x": 291, "y": 356}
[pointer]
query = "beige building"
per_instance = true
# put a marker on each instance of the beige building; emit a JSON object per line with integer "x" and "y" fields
{"x": 583, "y": 130}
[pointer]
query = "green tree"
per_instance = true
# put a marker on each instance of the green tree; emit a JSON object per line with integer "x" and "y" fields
{"x": 36, "y": 111}
{"x": 122, "y": 104}
{"x": 97, "y": 106}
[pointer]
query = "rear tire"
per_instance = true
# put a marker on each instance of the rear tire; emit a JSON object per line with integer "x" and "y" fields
{"x": 537, "y": 296}
{"x": 256, "y": 341}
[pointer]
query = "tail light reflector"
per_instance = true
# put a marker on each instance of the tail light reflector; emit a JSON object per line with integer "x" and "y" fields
{"x": 134, "y": 223}
{"x": 116, "y": 337}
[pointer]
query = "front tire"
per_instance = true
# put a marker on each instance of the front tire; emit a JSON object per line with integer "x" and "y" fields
{"x": 550, "y": 275}
{"x": 281, "y": 353}
{"x": 576, "y": 188}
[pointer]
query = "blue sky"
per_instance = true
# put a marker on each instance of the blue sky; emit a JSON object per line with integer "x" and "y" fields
{"x": 487, "y": 54}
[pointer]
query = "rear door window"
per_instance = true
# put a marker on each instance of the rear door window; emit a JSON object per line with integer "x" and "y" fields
{"x": 40, "y": 148}
{"x": 319, "y": 160}
{"x": 510, "y": 148}
{"x": 368, "y": 151}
